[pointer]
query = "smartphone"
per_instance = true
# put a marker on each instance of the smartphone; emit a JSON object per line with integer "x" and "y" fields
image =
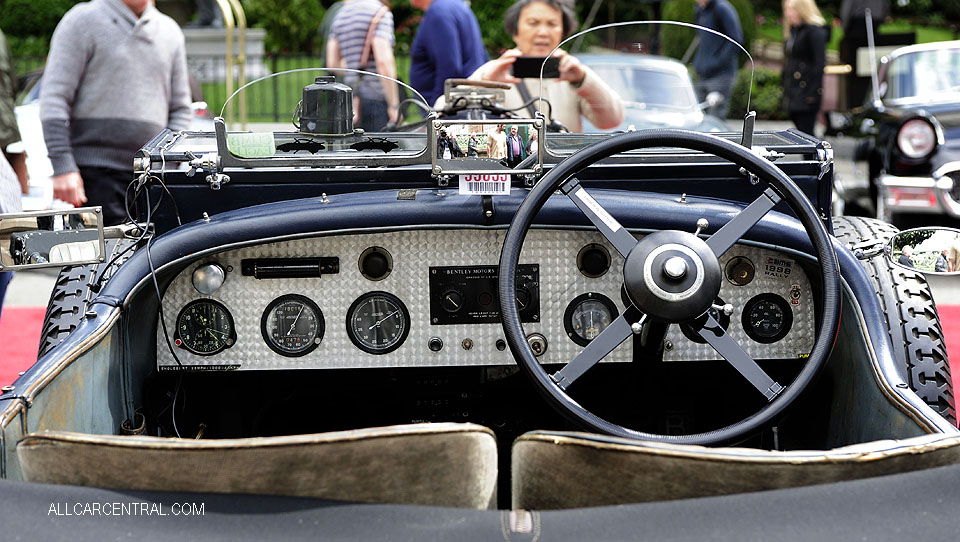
{"x": 529, "y": 67}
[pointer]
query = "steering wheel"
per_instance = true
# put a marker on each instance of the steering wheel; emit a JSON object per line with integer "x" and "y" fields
{"x": 670, "y": 277}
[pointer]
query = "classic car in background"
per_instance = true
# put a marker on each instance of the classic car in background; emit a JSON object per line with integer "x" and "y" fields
{"x": 342, "y": 334}
{"x": 657, "y": 92}
{"x": 910, "y": 130}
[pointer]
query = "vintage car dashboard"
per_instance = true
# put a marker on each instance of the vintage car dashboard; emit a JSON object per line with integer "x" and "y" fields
{"x": 428, "y": 297}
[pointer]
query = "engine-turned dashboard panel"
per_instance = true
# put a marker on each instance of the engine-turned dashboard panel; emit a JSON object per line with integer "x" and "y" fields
{"x": 428, "y": 297}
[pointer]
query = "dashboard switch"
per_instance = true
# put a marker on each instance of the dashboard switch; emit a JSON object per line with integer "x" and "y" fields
{"x": 435, "y": 344}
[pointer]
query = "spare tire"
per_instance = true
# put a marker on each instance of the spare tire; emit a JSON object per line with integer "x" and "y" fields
{"x": 910, "y": 314}
{"x": 72, "y": 291}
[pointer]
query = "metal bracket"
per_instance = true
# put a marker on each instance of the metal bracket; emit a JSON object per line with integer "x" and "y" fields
{"x": 216, "y": 180}
{"x": 865, "y": 250}
{"x": 749, "y": 122}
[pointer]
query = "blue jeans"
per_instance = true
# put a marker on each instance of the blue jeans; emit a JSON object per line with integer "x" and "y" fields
{"x": 722, "y": 83}
{"x": 5, "y": 278}
{"x": 373, "y": 114}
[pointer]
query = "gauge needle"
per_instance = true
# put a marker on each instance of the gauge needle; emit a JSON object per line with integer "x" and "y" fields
{"x": 295, "y": 321}
{"x": 384, "y": 319}
{"x": 214, "y": 331}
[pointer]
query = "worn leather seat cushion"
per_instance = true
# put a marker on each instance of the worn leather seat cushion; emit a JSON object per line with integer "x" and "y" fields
{"x": 552, "y": 470}
{"x": 443, "y": 464}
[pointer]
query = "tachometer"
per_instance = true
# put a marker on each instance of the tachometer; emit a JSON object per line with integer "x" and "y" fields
{"x": 378, "y": 322}
{"x": 205, "y": 327}
{"x": 292, "y": 325}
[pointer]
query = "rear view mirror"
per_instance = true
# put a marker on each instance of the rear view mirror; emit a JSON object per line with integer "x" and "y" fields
{"x": 51, "y": 238}
{"x": 928, "y": 250}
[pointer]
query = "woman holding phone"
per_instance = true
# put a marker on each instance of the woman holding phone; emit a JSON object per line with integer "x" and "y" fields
{"x": 537, "y": 27}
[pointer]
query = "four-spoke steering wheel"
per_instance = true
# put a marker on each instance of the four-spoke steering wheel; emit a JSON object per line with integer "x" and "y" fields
{"x": 670, "y": 277}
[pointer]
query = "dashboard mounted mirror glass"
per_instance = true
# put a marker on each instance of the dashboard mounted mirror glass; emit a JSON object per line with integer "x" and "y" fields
{"x": 51, "y": 238}
{"x": 928, "y": 250}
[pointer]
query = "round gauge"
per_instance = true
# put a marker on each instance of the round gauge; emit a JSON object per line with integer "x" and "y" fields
{"x": 767, "y": 318}
{"x": 740, "y": 271}
{"x": 691, "y": 333}
{"x": 292, "y": 325}
{"x": 378, "y": 322}
{"x": 451, "y": 300}
{"x": 205, "y": 327}
{"x": 587, "y": 316}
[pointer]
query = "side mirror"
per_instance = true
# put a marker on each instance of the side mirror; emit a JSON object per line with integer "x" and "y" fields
{"x": 51, "y": 238}
{"x": 928, "y": 250}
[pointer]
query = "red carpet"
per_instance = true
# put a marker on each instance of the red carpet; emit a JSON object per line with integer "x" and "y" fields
{"x": 19, "y": 337}
{"x": 950, "y": 322}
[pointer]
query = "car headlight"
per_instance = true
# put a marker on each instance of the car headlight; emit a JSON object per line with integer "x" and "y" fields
{"x": 916, "y": 138}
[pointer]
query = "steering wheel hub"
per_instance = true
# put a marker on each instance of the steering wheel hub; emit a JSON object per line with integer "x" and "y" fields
{"x": 672, "y": 276}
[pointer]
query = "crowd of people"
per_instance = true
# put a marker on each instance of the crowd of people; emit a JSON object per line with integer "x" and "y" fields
{"x": 95, "y": 120}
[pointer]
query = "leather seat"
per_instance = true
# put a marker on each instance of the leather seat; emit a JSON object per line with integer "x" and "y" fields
{"x": 442, "y": 464}
{"x": 554, "y": 470}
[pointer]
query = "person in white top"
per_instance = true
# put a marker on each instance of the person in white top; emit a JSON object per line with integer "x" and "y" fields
{"x": 537, "y": 27}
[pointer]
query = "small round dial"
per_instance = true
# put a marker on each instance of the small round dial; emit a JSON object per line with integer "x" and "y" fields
{"x": 740, "y": 271}
{"x": 587, "y": 316}
{"x": 205, "y": 327}
{"x": 378, "y": 322}
{"x": 767, "y": 318}
{"x": 452, "y": 301}
{"x": 292, "y": 325}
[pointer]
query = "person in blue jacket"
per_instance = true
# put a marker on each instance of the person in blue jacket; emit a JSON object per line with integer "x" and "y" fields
{"x": 716, "y": 59}
{"x": 447, "y": 45}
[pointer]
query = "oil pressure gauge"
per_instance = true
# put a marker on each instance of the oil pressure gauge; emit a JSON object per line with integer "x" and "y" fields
{"x": 292, "y": 325}
{"x": 767, "y": 318}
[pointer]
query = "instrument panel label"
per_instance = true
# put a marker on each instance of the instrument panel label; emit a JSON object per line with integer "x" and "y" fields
{"x": 468, "y": 294}
{"x": 777, "y": 268}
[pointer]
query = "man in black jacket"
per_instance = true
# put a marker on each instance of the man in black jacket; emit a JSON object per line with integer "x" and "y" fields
{"x": 516, "y": 148}
{"x": 716, "y": 59}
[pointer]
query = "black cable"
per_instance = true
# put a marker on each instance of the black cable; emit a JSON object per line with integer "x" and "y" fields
{"x": 163, "y": 323}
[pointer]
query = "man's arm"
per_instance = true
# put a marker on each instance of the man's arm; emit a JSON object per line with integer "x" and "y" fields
{"x": 69, "y": 53}
{"x": 444, "y": 48}
{"x": 180, "y": 99}
{"x": 387, "y": 66}
{"x": 334, "y": 59}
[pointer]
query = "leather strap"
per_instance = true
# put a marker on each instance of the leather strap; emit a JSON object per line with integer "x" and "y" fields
{"x": 371, "y": 30}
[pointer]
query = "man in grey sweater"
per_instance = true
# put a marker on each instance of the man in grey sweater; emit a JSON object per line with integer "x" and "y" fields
{"x": 115, "y": 77}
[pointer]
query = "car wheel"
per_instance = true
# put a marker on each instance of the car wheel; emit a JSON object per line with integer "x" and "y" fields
{"x": 72, "y": 291}
{"x": 911, "y": 315}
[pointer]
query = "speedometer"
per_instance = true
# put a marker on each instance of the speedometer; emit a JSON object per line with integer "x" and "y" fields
{"x": 378, "y": 322}
{"x": 292, "y": 325}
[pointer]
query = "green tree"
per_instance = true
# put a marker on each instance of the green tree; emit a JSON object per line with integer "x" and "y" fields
{"x": 291, "y": 25}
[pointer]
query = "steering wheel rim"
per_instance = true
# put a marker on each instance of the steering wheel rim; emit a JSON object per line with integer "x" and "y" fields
{"x": 780, "y": 187}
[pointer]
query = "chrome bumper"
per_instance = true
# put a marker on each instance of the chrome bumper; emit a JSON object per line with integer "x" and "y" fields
{"x": 921, "y": 194}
